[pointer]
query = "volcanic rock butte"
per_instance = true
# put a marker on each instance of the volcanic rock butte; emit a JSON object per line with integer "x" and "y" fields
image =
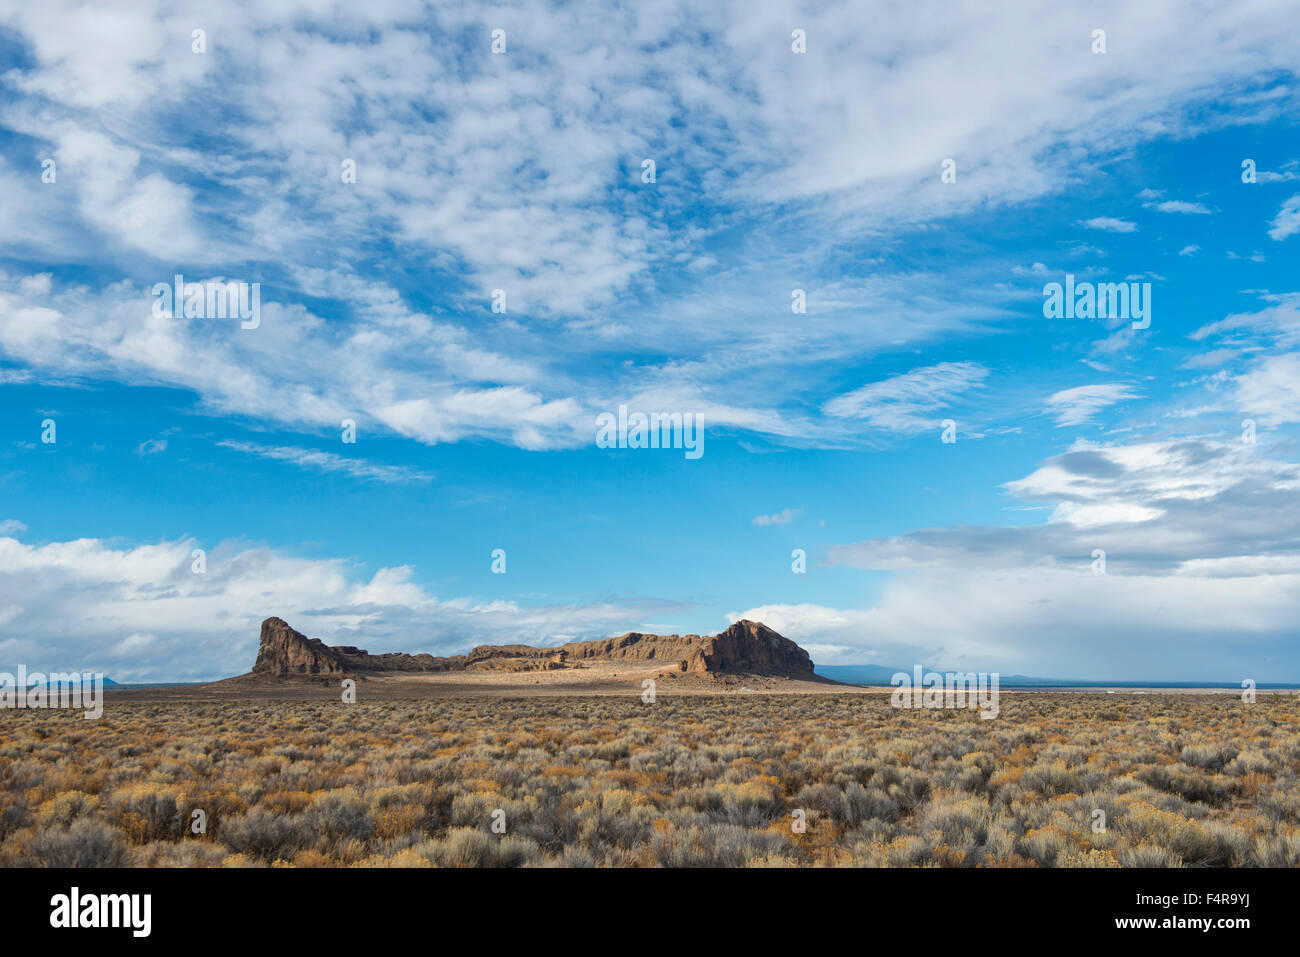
{"x": 747, "y": 647}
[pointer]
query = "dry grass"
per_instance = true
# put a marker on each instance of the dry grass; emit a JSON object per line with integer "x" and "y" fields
{"x": 1192, "y": 780}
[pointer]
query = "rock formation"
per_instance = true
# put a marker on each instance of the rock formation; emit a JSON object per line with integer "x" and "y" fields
{"x": 750, "y": 647}
{"x": 747, "y": 647}
{"x": 284, "y": 651}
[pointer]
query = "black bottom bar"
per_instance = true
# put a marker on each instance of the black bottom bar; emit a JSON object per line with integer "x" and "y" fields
{"x": 334, "y": 906}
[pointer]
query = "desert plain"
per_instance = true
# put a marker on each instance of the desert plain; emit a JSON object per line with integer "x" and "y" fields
{"x": 531, "y": 758}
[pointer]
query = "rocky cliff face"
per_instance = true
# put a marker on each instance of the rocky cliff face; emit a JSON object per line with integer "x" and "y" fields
{"x": 750, "y": 647}
{"x": 747, "y": 647}
{"x": 635, "y": 646}
{"x": 284, "y": 651}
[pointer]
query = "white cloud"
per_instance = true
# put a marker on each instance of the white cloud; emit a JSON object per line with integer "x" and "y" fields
{"x": 1189, "y": 250}
{"x": 1210, "y": 360}
{"x": 783, "y": 517}
{"x": 1148, "y": 473}
{"x": 907, "y": 402}
{"x": 392, "y": 368}
{"x": 1063, "y": 623}
{"x": 1078, "y": 405}
{"x": 1157, "y": 505}
{"x": 1109, "y": 224}
{"x": 146, "y": 211}
{"x": 1087, "y": 514}
{"x": 138, "y": 613}
{"x": 1270, "y": 390}
{"x": 520, "y": 172}
{"x": 1202, "y": 578}
{"x": 134, "y": 645}
{"x": 1278, "y": 322}
{"x": 329, "y": 462}
{"x": 1287, "y": 221}
{"x": 1290, "y": 171}
{"x": 1179, "y": 206}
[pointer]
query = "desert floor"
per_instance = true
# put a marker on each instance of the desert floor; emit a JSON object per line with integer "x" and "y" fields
{"x": 293, "y": 776}
{"x": 621, "y": 678}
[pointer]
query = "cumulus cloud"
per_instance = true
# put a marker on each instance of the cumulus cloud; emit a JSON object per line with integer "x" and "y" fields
{"x": 1270, "y": 389}
{"x": 1160, "y": 504}
{"x": 1199, "y": 541}
{"x": 1062, "y": 623}
{"x": 1287, "y": 221}
{"x": 140, "y": 613}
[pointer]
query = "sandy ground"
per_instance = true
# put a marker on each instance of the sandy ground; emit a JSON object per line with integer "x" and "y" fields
{"x": 594, "y": 678}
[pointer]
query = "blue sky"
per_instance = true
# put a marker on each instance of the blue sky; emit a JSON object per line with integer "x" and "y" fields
{"x": 774, "y": 171}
